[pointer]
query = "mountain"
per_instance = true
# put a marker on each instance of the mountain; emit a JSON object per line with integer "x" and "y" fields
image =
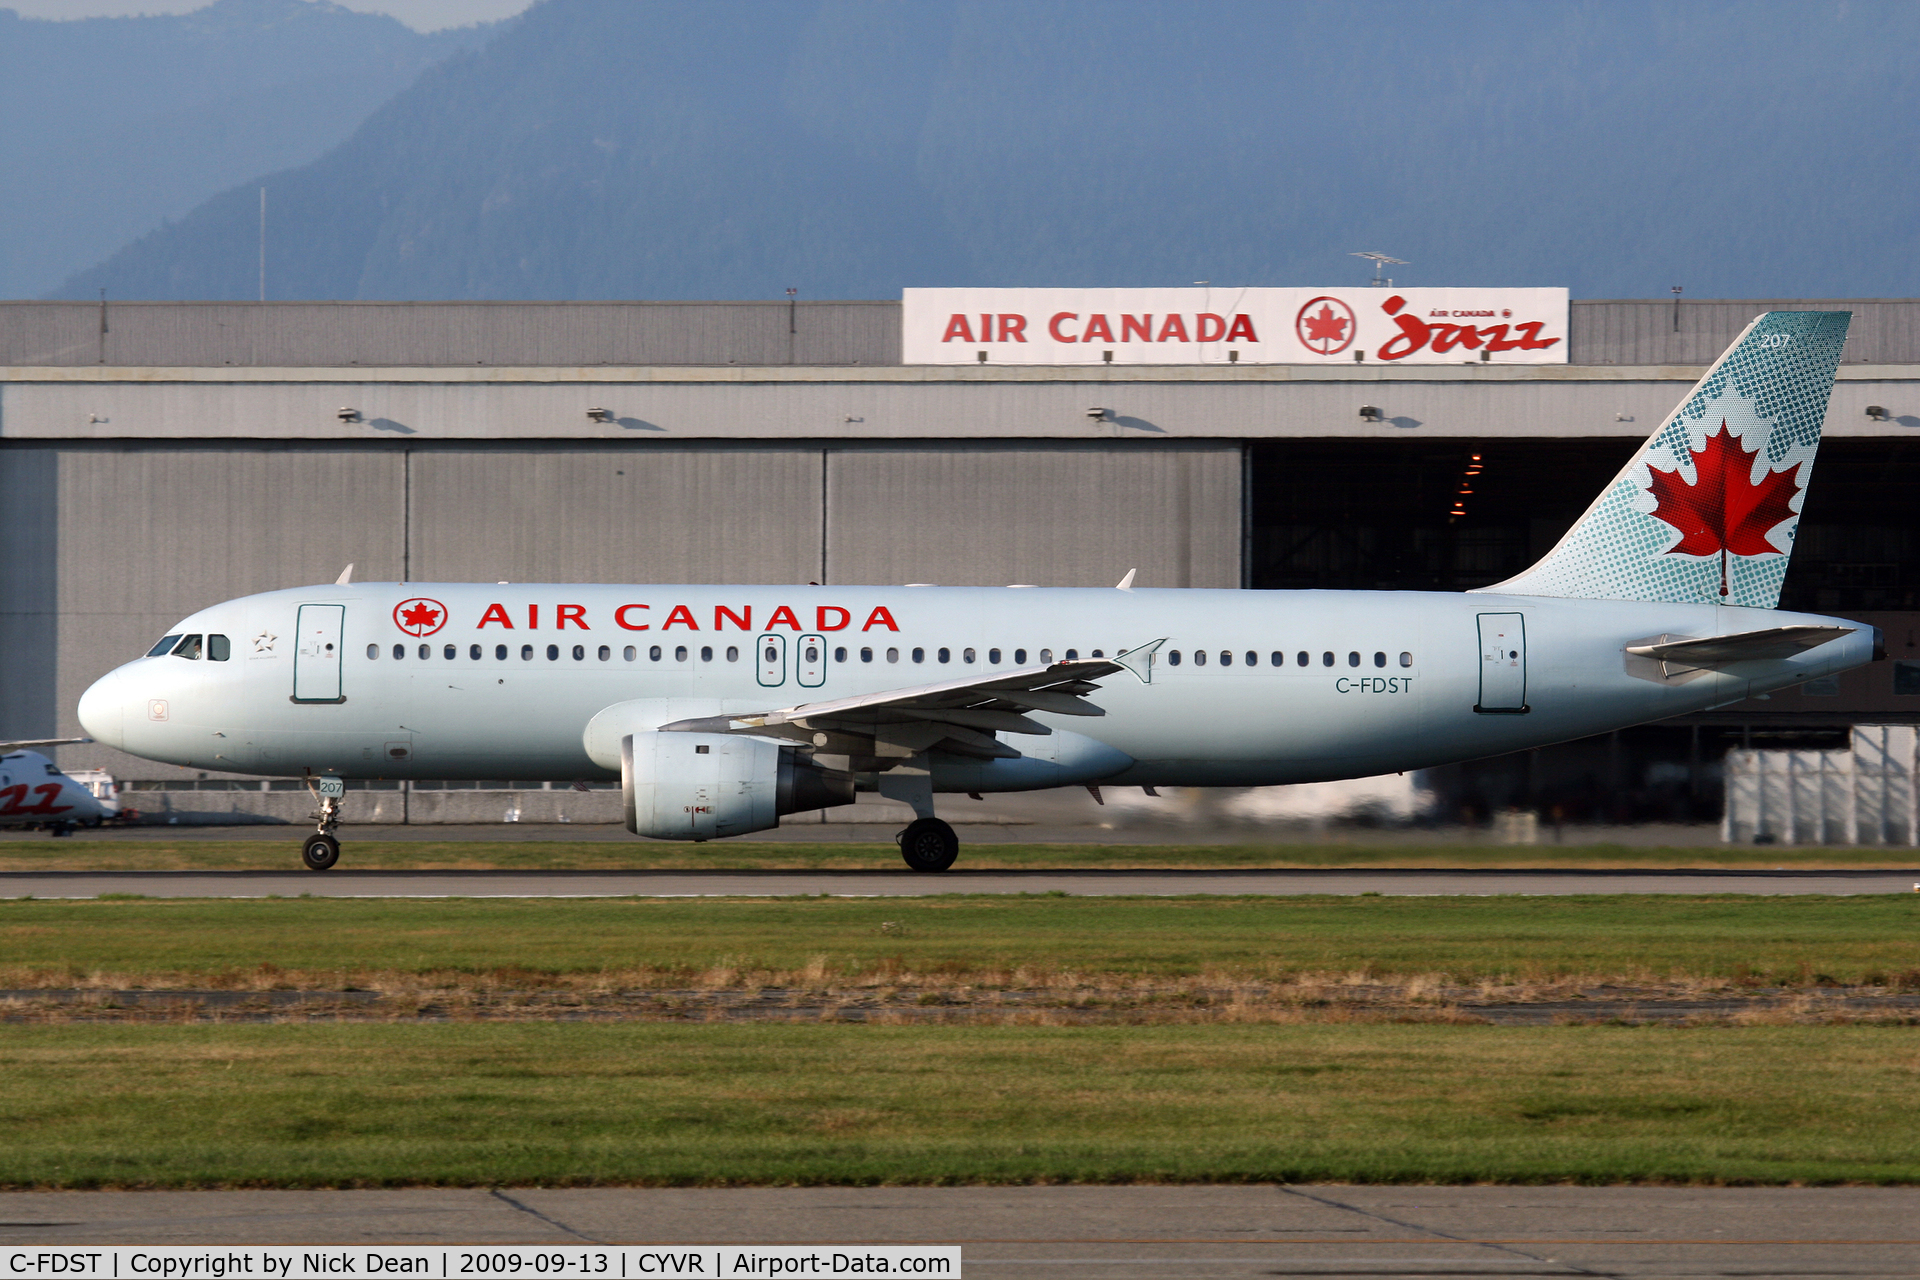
{"x": 109, "y": 126}
{"x": 734, "y": 148}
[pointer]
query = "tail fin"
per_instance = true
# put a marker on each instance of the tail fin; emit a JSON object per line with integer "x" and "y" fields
{"x": 1707, "y": 509}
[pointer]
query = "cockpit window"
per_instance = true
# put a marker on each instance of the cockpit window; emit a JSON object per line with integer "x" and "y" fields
{"x": 189, "y": 647}
{"x": 165, "y": 646}
{"x": 219, "y": 649}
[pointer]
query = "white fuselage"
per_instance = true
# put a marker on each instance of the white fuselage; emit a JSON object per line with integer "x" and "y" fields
{"x": 35, "y": 793}
{"x": 501, "y": 681}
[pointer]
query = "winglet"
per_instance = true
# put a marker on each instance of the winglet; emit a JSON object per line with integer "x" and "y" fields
{"x": 1126, "y": 583}
{"x": 1139, "y": 659}
{"x": 346, "y": 576}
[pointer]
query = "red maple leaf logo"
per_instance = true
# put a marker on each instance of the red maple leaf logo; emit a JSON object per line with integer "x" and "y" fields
{"x": 421, "y": 617}
{"x": 1723, "y": 510}
{"x": 1325, "y": 326}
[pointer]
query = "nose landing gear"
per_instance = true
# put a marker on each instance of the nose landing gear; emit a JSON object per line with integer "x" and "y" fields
{"x": 322, "y": 848}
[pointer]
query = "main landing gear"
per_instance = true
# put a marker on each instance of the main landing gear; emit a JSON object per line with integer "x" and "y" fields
{"x": 929, "y": 844}
{"x": 322, "y": 848}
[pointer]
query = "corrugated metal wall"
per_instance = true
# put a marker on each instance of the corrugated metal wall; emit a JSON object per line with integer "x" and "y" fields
{"x": 436, "y": 334}
{"x": 389, "y": 334}
{"x": 1059, "y": 516}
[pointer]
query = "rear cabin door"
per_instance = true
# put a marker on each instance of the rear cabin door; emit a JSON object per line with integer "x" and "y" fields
{"x": 811, "y": 661}
{"x": 1503, "y": 664}
{"x": 770, "y": 652}
{"x": 317, "y": 653}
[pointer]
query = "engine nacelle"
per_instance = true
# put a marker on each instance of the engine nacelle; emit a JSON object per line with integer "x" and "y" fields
{"x": 699, "y": 786}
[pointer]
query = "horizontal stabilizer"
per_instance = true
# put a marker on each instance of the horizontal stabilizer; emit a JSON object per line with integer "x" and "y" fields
{"x": 21, "y": 744}
{"x": 1749, "y": 646}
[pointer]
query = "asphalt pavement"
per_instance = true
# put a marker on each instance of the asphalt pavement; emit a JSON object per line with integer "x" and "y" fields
{"x": 1140, "y": 1233}
{"x": 901, "y": 883}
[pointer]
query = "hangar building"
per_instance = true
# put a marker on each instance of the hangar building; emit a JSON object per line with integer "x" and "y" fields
{"x": 158, "y": 457}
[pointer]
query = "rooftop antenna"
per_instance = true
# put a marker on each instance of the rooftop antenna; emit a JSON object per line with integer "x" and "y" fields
{"x": 1380, "y": 263}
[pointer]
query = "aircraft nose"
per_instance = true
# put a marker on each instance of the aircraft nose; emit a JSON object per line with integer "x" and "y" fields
{"x": 103, "y": 710}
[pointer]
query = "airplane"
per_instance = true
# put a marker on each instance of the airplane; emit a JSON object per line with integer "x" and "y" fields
{"x": 722, "y": 708}
{"x": 35, "y": 793}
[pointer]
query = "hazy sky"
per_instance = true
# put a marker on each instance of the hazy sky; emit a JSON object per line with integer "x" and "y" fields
{"x": 421, "y": 15}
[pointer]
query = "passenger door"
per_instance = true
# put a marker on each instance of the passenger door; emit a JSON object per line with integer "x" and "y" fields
{"x": 1503, "y": 664}
{"x": 317, "y": 652}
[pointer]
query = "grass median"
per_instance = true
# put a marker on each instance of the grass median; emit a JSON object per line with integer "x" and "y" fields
{"x": 581, "y": 1104}
{"x": 130, "y": 851}
{"x": 596, "y": 944}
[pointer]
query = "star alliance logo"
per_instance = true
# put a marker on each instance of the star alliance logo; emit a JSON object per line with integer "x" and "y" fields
{"x": 263, "y": 643}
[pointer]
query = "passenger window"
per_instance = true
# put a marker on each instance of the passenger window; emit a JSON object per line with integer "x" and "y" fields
{"x": 1020, "y": 657}
{"x": 606, "y": 652}
{"x": 1099, "y": 653}
{"x": 165, "y": 646}
{"x": 399, "y": 652}
{"x": 474, "y": 652}
{"x": 653, "y": 653}
{"x": 866, "y": 655}
{"x": 426, "y": 651}
{"x": 189, "y": 647}
{"x": 1073, "y": 655}
{"x": 966, "y": 655}
{"x": 629, "y": 653}
{"x": 1173, "y": 659}
{"x": 1199, "y": 657}
{"x": 706, "y": 653}
{"x": 813, "y": 653}
{"x": 893, "y": 655}
{"x": 733, "y": 653}
{"x": 919, "y": 655}
{"x": 1277, "y": 658}
{"x": 218, "y": 650}
{"x": 1379, "y": 659}
{"x": 1253, "y": 659}
{"x": 1326, "y": 659}
{"x": 579, "y": 653}
{"x": 526, "y": 653}
{"x": 1406, "y": 659}
{"x": 1301, "y": 659}
{"x": 1226, "y": 657}
{"x": 679, "y": 653}
{"x": 1046, "y": 655}
{"x": 840, "y": 654}
{"x": 945, "y": 655}
{"x": 1353, "y": 659}
{"x": 499, "y": 653}
{"x": 373, "y": 651}
{"x": 993, "y": 657}
{"x": 450, "y": 652}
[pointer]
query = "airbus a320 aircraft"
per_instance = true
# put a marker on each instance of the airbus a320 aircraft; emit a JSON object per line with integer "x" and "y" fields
{"x": 720, "y": 708}
{"x": 35, "y": 793}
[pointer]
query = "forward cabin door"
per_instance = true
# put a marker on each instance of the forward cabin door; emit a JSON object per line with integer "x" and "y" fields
{"x": 770, "y": 652}
{"x": 317, "y": 653}
{"x": 1503, "y": 664}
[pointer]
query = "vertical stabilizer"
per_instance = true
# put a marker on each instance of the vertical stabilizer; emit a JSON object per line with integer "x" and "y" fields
{"x": 1707, "y": 509}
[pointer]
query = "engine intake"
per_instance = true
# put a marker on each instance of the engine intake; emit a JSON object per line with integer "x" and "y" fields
{"x": 700, "y": 786}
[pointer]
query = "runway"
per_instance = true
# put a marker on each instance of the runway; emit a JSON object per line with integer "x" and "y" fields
{"x": 905, "y": 884}
{"x": 1137, "y": 1232}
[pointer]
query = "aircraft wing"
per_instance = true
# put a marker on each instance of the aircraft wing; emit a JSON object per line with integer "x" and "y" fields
{"x": 21, "y": 744}
{"x": 955, "y": 715}
{"x": 1748, "y": 646}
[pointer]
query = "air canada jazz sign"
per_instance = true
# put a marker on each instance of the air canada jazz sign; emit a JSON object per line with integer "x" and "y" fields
{"x": 1228, "y": 326}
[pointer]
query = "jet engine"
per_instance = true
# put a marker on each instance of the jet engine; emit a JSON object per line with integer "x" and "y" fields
{"x": 698, "y": 786}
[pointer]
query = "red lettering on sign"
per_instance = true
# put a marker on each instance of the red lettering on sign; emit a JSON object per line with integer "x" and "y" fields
{"x": 1142, "y": 325}
{"x": 1013, "y": 328}
{"x": 1097, "y": 328}
{"x": 957, "y": 327}
{"x": 680, "y": 614}
{"x": 820, "y": 622}
{"x": 496, "y": 613}
{"x": 620, "y": 617}
{"x": 1208, "y": 327}
{"x": 880, "y": 618}
{"x": 1053, "y": 325}
{"x": 1174, "y": 330}
{"x": 783, "y": 617}
{"x": 721, "y": 614}
{"x": 1533, "y": 341}
{"x": 574, "y": 613}
{"x": 1242, "y": 328}
{"x": 533, "y": 617}
{"x": 1447, "y": 336}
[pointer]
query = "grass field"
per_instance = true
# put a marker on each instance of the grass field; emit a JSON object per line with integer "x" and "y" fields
{"x": 111, "y": 852}
{"x": 557, "y": 1104}
{"x": 597, "y": 943}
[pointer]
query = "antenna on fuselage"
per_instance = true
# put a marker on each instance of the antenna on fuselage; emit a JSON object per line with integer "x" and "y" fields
{"x": 1126, "y": 583}
{"x": 346, "y": 577}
